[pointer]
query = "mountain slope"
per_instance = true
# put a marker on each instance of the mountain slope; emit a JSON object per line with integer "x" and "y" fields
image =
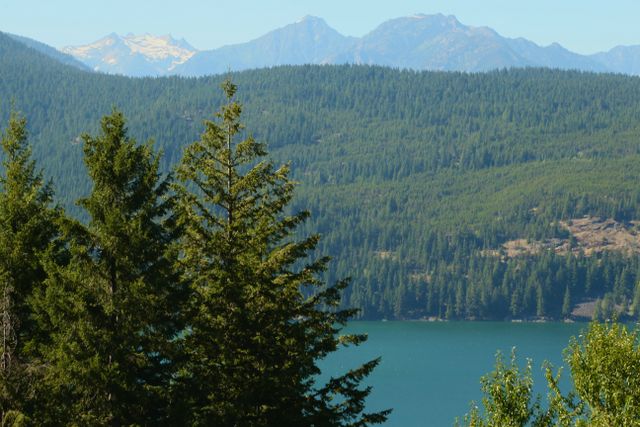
{"x": 435, "y": 42}
{"x": 415, "y": 180}
{"x": 554, "y": 56}
{"x": 438, "y": 42}
{"x": 621, "y": 59}
{"x": 50, "y": 51}
{"x": 419, "y": 42}
{"x": 308, "y": 41}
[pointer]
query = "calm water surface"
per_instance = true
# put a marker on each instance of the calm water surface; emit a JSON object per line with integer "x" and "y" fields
{"x": 430, "y": 371}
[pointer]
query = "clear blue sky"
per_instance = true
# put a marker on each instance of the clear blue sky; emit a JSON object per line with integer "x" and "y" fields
{"x": 584, "y": 26}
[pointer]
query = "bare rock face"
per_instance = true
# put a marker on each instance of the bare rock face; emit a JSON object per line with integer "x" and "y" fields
{"x": 595, "y": 235}
{"x": 591, "y": 235}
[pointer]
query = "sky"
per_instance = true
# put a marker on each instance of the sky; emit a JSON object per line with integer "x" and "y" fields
{"x": 583, "y": 26}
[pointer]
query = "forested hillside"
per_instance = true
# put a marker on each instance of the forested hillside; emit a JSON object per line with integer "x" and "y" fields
{"x": 414, "y": 179}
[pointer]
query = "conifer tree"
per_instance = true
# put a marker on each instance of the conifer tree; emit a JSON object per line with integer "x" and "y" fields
{"x": 114, "y": 307}
{"x": 27, "y": 226}
{"x": 635, "y": 304}
{"x": 566, "y": 302}
{"x": 254, "y": 338}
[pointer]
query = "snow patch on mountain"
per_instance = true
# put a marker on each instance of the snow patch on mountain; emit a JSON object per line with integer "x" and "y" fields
{"x": 159, "y": 48}
{"x": 132, "y": 54}
{"x": 86, "y": 51}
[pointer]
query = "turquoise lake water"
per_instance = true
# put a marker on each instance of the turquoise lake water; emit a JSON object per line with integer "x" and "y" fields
{"x": 430, "y": 371}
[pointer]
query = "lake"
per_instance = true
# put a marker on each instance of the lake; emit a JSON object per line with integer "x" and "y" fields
{"x": 430, "y": 371}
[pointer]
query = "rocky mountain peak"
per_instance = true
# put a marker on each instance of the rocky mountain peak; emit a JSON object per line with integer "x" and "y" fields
{"x": 420, "y": 41}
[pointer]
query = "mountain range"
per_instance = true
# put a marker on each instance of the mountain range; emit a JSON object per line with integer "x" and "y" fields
{"x": 419, "y": 42}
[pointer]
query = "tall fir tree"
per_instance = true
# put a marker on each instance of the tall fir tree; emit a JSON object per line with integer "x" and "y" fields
{"x": 566, "y": 303}
{"x": 27, "y": 227}
{"x": 115, "y": 306}
{"x": 254, "y": 338}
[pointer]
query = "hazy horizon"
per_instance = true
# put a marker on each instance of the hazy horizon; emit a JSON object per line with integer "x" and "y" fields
{"x": 584, "y": 27}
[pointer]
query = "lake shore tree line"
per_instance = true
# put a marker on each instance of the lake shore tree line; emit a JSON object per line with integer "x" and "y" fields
{"x": 183, "y": 299}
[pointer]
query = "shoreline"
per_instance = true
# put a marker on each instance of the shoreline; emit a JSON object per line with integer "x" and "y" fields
{"x": 439, "y": 320}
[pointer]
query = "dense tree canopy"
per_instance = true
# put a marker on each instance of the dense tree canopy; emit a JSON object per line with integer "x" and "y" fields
{"x": 411, "y": 177}
{"x": 113, "y": 308}
{"x": 27, "y": 228}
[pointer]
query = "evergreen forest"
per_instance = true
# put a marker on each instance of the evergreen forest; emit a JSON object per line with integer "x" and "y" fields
{"x": 414, "y": 180}
{"x": 181, "y": 299}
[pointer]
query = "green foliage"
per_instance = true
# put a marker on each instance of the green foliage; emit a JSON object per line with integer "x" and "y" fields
{"x": 507, "y": 397}
{"x": 566, "y": 303}
{"x": 605, "y": 369}
{"x": 27, "y": 226}
{"x": 113, "y": 308}
{"x": 253, "y": 338}
{"x": 635, "y": 305}
{"x": 15, "y": 419}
